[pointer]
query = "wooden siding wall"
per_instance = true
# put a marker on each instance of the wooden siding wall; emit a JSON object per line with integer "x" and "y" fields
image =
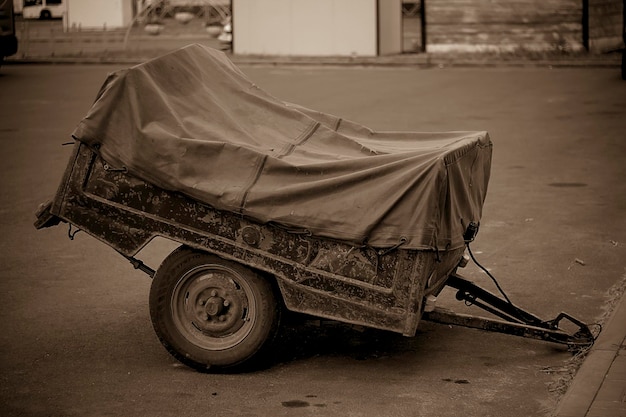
{"x": 504, "y": 25}
{"x": 605, "y": 25}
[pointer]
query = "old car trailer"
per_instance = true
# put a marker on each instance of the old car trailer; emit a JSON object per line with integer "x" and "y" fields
{"x": 215, "y": 302}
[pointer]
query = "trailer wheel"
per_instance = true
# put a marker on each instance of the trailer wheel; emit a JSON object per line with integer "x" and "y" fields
{"x": 212, "y": 314}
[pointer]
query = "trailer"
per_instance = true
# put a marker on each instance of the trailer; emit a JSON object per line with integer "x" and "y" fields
{"x": 277, "y": 208}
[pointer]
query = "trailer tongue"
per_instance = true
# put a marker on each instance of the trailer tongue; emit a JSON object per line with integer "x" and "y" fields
{"x": 514, "y": 320}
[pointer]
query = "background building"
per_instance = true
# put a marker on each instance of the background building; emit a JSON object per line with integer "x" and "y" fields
{"x": 535, "y": 25}
{"x": 321, "y": 27}
{"x": 376, "y": 27}
{"x": 97, "y": 14}
{"x": 384, "y": 27}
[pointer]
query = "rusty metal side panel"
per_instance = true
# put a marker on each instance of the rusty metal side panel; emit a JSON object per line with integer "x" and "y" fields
{"x": 322, "y": 277}
{"x": 66, "y": 181}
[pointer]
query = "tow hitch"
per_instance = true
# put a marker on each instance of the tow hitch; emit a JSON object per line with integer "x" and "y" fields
{"x": 515, "y": 321}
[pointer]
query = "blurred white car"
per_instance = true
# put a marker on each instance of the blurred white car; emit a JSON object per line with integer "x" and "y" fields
{"x": 43, "y": 9}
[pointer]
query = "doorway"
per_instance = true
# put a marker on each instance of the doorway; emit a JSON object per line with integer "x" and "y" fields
{"x": 413, "y": 27}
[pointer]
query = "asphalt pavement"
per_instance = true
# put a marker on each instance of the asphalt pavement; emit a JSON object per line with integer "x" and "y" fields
{"x": 599, "y": 386}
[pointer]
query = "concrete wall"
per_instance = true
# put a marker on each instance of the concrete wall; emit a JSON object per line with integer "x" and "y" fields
{"x": 305, "y": 27}
{"x": 389, "y": 27}
{"x": 97, "y": 14}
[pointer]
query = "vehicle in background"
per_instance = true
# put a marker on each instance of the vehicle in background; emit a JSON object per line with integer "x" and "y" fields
{"x": 8, "y": 40}
{"x": 624, "y": 39}
{"x": 43, "y": 9}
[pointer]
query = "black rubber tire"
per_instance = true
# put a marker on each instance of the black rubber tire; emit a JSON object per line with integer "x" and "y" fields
{"x": 213, "y": 314}
{"x": 45, "y": 15}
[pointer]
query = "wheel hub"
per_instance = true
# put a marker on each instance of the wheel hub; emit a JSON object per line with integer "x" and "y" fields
{"x": 217, "y": 312}
{"x": 214, "y": 306}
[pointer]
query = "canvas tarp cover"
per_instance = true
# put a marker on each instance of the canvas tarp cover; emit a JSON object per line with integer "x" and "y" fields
{"x": 192, "y": 122}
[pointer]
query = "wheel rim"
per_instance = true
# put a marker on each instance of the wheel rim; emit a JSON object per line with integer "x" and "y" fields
{"x": 213, "y": 307}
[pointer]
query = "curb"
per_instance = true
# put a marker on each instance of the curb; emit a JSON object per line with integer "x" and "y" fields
{"x": 396, "y": 61}
{"x": 588, "y": 381}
